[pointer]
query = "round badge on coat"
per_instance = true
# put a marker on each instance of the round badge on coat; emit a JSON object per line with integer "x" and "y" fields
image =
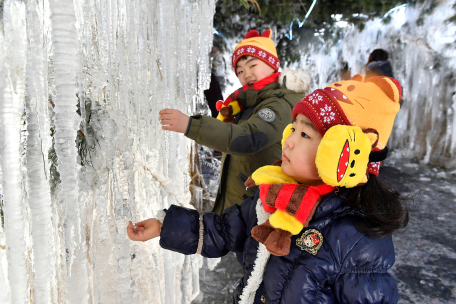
{"x": 267, "y": 115}
{"x": 310, "y": 241}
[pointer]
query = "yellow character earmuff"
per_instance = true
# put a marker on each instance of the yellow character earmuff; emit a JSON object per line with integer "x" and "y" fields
{"x": 343, "y": 154}
{"x": 288, "y": 130}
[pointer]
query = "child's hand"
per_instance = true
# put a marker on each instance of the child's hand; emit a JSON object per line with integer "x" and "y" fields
{"x": 144, "y": 230}
{"x": 174, "y": 120}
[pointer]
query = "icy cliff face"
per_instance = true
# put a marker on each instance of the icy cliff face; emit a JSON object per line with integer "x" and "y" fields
{"x": 422, "y": 47}
{"x": 82, "y": 153}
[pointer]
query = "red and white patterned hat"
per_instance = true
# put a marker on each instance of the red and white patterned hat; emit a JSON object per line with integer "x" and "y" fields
{"x": 261, "y": 47}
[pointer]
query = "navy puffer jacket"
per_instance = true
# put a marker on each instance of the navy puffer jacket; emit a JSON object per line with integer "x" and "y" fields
{"x": 349, "y": 267}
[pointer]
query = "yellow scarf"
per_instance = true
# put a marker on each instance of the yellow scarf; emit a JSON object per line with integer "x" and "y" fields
{"x": 292, "y": 206}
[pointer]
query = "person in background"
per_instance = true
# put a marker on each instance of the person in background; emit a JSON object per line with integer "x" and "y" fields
{"x": 249, "y": 126}
{"x": 379, "y": 64}
{"x": 213, "y": 94}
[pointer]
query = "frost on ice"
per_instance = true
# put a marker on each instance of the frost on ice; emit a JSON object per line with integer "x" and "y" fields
{"x": 82, "y": 153}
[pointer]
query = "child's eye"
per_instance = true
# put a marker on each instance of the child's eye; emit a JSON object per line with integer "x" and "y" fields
{"x": 252, "y": 66}
{"x": 293, "y": 129}
{"x": 304, "y": 135}
{"x": 239, "y": 72}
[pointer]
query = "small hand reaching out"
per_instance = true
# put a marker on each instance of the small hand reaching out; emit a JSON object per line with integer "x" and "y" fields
{"x": 174, "y": 120}
{"x": 144, "y": 230}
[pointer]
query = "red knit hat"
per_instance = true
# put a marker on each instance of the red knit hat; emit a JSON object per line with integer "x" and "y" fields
{"x": 261, "y": 47}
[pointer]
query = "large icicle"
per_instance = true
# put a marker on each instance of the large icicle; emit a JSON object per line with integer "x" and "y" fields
{"x": 65, "y": 61}
{"x": 38, "y": 190}
{"x": 13, "y": 61}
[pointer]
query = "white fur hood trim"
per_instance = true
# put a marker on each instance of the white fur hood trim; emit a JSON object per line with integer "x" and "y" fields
{"x": 256, "y": 277}
{"x": 297, "y": 80}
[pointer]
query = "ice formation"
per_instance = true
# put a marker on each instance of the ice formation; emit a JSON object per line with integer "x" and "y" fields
{"x": 421, "y": 42}
{"x": 82, "y": 153}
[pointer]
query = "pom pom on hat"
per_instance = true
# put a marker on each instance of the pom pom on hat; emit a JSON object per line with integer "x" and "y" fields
{"x": 254, "y": 33}
{"x": 251, "y": 34}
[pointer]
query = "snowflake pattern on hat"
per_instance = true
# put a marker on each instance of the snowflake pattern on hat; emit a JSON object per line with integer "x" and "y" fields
{"x": 250, "y": 50}
{"x": 373, "y": 168}
{"x": 327, "y": 114}
{"x": 375, "y": 165}
{"x": 322, "y": 110}
{"x": 315, "y": 98}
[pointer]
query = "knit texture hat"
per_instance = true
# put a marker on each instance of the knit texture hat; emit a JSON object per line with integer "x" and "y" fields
{"x": 261, "y": 47}
{"x": 370, "y": 104}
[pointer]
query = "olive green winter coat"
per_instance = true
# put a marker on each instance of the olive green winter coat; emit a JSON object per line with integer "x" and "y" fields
{"x": 248, "y": 144}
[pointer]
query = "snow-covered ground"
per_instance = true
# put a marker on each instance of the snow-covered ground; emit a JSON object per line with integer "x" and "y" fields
{"x": 426, "y": 252}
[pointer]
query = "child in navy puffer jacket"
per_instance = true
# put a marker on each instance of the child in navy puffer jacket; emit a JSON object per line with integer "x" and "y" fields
{"x": 319, "y": 228}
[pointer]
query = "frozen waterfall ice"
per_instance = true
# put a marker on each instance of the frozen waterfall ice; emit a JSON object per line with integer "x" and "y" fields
{"x": 13, "y": 57}
{"x": 82, "y": 153}
{"x": 421, "y": 42}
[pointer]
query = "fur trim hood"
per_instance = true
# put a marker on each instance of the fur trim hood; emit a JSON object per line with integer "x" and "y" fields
{"x": 297, "y": 80}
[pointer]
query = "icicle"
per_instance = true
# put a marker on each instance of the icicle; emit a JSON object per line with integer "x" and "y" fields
{"x": 65, "y": 61}
{"x": 13, "y": 60}
{"x": 39, "y": 196}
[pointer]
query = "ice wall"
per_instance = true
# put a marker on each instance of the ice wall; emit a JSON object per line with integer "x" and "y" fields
{"x": 422, "y": 45}
{"x": 82, "y": 153}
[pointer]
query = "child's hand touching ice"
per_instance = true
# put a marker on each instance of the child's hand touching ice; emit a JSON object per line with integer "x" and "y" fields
{"x": 174, "y": 120}
{"x": 145, "y": 230}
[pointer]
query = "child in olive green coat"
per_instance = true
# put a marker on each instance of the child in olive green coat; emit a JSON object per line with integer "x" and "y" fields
{"x": 251, "y": 121}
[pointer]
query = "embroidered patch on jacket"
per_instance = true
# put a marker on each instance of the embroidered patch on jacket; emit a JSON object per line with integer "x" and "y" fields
{"x": 267, "y": 115}
{"x": 310, "y": 241}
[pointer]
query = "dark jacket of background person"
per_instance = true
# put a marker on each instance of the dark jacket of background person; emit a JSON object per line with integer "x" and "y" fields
{"x": 379, "y": 64}
{"x": 248, "y": 144}
{"x": 213, "y": 94}
{"x": 349, "y": 267}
